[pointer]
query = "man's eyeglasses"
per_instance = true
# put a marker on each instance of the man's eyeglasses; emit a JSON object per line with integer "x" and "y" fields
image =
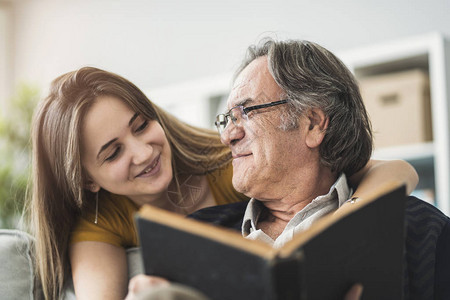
{"x": 238, "y": 113}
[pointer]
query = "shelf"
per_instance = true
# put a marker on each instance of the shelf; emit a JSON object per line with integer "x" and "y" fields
{"x": 394, "y": 52}
{"x": 431, "y": 53}
{"x": 406, "y": 152}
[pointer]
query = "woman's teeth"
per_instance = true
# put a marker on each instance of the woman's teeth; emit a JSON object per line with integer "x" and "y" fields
{"x": 151, "y": 167}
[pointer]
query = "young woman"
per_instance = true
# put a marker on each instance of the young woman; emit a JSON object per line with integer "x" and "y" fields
{"x": 101, "y": 149}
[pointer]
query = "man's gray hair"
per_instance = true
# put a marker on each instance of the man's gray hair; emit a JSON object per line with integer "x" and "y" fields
{"x": 313, "y": 77}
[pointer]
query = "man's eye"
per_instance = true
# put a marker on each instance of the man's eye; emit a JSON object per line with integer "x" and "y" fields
{"x": 143, "y": 126}
{"x": 114, "y": 155}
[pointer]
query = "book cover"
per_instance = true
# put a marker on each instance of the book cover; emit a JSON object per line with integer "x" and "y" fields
{"x": 360, "y": 243}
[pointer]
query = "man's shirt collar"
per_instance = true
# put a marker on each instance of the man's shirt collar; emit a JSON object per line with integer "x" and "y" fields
{"x": 318, "y": 207}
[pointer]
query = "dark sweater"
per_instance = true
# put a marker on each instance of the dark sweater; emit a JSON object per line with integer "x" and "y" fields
{"x": 427, "y": 245}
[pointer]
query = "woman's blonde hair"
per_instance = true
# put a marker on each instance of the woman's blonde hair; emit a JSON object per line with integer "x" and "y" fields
{"x": 58, "y": 191}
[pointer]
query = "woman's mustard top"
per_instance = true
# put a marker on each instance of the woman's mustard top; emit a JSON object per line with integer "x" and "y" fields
{"x": 116, "y": 213}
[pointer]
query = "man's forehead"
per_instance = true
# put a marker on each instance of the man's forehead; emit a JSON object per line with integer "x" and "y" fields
{"x": 253, "y": 85}
{"x": 240, "y": 93}
{"x": 253, "y": 92}
{"x": 246, "y": 92}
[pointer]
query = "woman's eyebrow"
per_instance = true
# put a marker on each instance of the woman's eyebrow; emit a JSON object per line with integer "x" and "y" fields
{"x": 132, "y": 119}
{"x": 105, "y": 146}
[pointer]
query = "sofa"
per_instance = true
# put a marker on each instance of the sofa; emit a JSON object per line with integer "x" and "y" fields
{"x": 17, "y": 276}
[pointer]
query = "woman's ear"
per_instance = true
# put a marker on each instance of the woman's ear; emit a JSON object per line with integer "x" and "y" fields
{"x": 318, "y": 124}
{"x": 92, "y": 186}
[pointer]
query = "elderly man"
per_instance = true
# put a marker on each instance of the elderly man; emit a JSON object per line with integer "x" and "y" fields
{"x": 296, "y": 125}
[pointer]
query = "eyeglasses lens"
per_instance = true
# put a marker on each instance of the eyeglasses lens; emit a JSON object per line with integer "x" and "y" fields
{"x": 221, "y": 122}
{"x": 235, "y": 115}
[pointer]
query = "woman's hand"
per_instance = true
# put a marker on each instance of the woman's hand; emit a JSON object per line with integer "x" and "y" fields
{"x": 143, "y": 282}
{"x": 379, "y": 172}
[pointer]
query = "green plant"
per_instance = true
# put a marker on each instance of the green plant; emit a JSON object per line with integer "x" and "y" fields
{"x": 15, "y": 154}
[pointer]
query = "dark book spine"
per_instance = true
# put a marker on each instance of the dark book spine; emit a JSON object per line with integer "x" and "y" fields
{"x": 287, "y": 277}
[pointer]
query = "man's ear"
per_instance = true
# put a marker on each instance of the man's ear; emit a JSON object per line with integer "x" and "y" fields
{"x": 318, "y": 124}
{"x": 92, "y": 186}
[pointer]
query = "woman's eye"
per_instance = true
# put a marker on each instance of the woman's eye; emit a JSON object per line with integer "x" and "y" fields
{"x": 143, "y": 126}
{"x": 113, "y": 155}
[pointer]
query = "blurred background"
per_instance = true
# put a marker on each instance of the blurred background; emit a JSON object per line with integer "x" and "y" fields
{"x": 182, "y": 55}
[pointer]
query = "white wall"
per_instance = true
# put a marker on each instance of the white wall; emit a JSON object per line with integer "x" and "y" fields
{"x": 159, "y": 42}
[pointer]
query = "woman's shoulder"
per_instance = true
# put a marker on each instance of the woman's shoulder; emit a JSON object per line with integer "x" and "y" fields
{"x": 110, "y": 207}
{"x": 115, "y": 221}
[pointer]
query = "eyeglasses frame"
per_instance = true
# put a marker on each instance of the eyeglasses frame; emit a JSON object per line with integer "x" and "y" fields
{"x": 245, "y": 110}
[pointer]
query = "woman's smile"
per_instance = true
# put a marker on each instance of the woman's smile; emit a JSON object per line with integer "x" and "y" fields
{"x": 151, "y": 169}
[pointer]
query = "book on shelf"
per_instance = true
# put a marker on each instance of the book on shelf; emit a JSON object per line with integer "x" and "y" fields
{"x": 359, "y": 243}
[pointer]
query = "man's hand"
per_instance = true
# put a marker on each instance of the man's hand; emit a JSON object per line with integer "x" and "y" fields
{"x": 354, "y": 293}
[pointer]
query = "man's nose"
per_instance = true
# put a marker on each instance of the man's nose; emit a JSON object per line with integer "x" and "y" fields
{"x": 231, "y": 134}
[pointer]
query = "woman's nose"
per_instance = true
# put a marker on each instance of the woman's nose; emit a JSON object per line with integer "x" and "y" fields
{"x": 142, "y": 152}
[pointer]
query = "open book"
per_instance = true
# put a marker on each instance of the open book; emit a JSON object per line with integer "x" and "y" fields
{"x": 360, "y": 243}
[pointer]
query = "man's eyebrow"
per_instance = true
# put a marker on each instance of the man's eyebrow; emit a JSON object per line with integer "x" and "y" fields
{"x": 243, "y": 102}
{"x": 105, "y": 146}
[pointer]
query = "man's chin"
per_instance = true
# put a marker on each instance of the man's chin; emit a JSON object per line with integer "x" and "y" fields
{"x": 239, "y": 185}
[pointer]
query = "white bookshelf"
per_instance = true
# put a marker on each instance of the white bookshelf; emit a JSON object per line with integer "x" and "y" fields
{"x": 411, "y": 152}
{"x": 196, "y": 102}
{"x": 430, "y": 52}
